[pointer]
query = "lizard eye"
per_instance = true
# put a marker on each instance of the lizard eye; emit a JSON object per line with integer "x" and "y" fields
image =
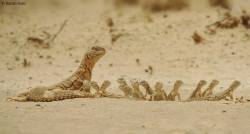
{"x": 96, "y": 48}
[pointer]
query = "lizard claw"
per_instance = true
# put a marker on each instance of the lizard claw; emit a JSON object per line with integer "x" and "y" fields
{"x": 20, "y": 99}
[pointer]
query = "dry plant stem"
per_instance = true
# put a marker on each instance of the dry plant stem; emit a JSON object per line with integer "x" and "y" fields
{"x": 58, "y": 32}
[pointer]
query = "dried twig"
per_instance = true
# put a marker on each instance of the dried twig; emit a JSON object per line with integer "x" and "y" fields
{"x": 45, "y": 43}
{"x": 58, "y": 32}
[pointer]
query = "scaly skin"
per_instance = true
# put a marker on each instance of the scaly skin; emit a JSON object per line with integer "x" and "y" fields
{"x": 197, "y": 93}
{"x": 159, "y": 94}
{"x": 149, "y": 90}
{"x": 209, "y": 90}
{"x": 225, "y": 94}
{"x": 41, "y": 94}
{"x": 86, "y": 86}
{"x": 75, "y": 81}
{"x": 175, "y": 91}
{"x": 126, "y": 89}
{"x": 136, "y": 93}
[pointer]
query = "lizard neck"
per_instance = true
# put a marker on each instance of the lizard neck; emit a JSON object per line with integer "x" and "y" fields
{"x": 198, "y": 87}
{"x": 84, "y": 71}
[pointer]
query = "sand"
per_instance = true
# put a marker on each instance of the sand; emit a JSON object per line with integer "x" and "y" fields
{"x": 161, "y": 40}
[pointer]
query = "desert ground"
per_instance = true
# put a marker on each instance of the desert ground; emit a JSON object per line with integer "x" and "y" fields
{"x": 162, "y": 40}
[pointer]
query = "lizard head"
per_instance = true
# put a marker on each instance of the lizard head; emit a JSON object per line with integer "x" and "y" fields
{"x": 202, "y": 83}
{"x": 178, "y": 83}
{"x": 95, "y": 53}
{"x": 121, "y": 81}
{"x": 158, "y": 85}
{"x": 235, "y": 84}
{"x": 214, "y": 83}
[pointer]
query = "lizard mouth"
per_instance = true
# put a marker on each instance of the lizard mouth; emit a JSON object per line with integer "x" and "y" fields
{"x": 98, "y": 49}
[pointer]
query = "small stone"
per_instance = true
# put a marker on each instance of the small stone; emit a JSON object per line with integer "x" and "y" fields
{"x": 38, "y": 105}
{"x": 48, "y": 57}
{"x": 110, "y": 22}
{"x": 77, "y": 61}
{"x": 138, "y": 61}
{"x": 17, "y": 58}
{"x": 111, "y": 65}
{"x": 41, "y": 56}
{"x": 197, "y": 38}
{"x": 26, "y": 63}
{"x": 150, "y": 68}
{"x": 9, "y": 68}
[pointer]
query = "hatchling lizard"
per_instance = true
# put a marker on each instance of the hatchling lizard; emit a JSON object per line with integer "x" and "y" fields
{"x": 159, "y": 94}
{"x": 197, "y": 93}
{"x": 224, "y": 94}
{"x": 175, "y": 91}
{"x": 136, "y": 93}
{"x": 149, "y": 90}
{"x": 209, "y": 90}
{"x": 101, "y": 90}
{"x": 126, "y": 89}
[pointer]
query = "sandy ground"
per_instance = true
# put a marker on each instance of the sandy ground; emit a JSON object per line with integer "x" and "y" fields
{"x": 165, "y": 44}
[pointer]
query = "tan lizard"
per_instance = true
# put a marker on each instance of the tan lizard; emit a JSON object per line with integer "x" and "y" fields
{"x": 136, "y": 93}
{"x": 224, "y": 94}
{"x": 159, "y": 94}
{"x": 197, "y": 93}
{"x": 209, "y": 90}
{"x": 149, "y": 90}
{"x": 175, "y": 91}
{"x": 84, "y": 71}
{"x": 126, "y": 89}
